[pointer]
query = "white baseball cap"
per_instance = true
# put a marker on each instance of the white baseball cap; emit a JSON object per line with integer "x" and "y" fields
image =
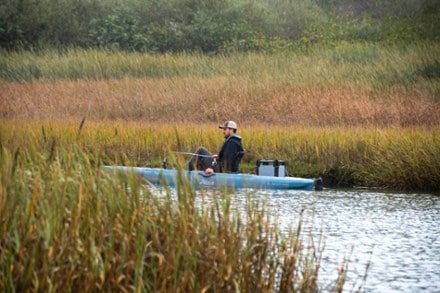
{"x": 228, "y": 124}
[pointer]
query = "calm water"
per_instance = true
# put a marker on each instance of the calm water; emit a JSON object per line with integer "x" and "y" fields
{"x": 396, "y": 235}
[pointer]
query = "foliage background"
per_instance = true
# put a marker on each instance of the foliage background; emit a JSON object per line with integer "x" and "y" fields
{"x": 213, "y": 26}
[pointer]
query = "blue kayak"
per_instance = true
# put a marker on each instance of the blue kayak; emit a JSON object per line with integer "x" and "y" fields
{"x": 231, "y": 180}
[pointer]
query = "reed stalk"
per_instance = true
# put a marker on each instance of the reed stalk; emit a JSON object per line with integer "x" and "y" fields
{"x": 400, "y": 158}
{"x": 349, "y": 84}
{"x": 66, "y": 224}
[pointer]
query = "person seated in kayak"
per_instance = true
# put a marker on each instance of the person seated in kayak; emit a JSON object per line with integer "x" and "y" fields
{"x": 229, "y": 157}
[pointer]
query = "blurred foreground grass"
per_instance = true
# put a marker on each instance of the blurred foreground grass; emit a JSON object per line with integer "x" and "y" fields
{"x": 65, "y": 225}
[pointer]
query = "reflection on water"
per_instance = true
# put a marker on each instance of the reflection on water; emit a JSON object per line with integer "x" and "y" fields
{"x": 395, "y": 235}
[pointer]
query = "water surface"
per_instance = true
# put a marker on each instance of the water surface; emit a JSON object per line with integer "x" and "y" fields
{"x": 391, "y": 238}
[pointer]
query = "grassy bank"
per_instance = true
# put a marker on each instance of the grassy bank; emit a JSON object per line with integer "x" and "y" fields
{"x": 349, "y": 84}
{"x": 356, "y": 113}
{"x": 386, "y": 157}
{"x": 65, "y": 225}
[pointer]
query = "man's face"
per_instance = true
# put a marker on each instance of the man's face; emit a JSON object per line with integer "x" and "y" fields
{"x": 227, "y": 132}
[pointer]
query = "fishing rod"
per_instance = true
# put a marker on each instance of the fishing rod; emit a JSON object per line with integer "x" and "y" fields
{"x": 194, "y": 154}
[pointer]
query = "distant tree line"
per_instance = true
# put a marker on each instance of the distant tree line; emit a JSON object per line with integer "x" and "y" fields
{"x": 212, "y": 26}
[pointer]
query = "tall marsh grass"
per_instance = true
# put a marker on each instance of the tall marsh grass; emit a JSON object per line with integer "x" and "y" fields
{"x": 65, "y": 225}
{"x": 388, "y": 157}
{"x": 350, "y": 84}
{"x": 366, "y": 63}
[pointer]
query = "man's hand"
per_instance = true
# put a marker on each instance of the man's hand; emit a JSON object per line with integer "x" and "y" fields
{"x": 209, "y": 171}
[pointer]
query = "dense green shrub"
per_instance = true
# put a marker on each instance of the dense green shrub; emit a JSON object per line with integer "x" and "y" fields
{"x": 212, "y": 26}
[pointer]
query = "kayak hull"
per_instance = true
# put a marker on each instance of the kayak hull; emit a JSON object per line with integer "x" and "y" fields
{"x": 200, "y": 179}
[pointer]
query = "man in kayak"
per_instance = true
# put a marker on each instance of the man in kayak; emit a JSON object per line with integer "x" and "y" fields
{"x": 229, "y": 157}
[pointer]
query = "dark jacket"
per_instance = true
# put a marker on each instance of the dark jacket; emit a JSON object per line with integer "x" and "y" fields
{"x": 230, "y": 154}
